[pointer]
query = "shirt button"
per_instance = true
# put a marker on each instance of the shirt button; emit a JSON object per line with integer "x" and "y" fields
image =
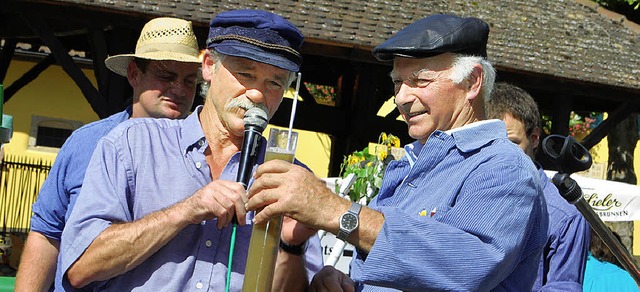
{"x": 198, "y": 165}
{"x": 207, "y": 243}
{"x": 200, "y": 142}
{"x": 203, "y": 222}
{"x": 199, "y": 285}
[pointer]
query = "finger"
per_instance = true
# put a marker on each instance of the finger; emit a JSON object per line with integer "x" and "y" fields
{"x": 262, "y": 199}
{"x": 266, "y": 213}
{"x": 348, "y": 285}
{"x": 272, "y": 166}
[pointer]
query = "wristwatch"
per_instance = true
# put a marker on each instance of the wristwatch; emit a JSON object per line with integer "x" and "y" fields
{"x": 349, "y": 221}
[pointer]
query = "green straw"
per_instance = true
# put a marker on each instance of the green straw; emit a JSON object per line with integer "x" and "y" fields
{"x": 232, "y": 245}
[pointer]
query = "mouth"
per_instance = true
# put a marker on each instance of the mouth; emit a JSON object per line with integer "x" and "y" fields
{"x": 414, "y": 114}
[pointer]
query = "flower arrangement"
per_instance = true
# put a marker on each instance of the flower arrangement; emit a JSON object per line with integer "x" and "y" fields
{"x": 368, "y": 168}
{"x": 580, "y": 126}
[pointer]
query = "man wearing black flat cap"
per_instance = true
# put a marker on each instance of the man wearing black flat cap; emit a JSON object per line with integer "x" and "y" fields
{"x": 159, "y": 194}
{"x": 462, "y": 211}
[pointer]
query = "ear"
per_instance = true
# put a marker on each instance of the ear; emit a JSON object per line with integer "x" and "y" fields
{"x": 475, "y": 82}
{"x": 207, "y": 66}
{"x": 534, "y": 138}
{"x": 132, "y": 73}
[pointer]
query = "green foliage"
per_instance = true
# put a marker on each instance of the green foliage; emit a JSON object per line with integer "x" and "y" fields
{"x": 323, "y": 94}
{"x": 614, "y": 3}
{"x": 368, "y": 168}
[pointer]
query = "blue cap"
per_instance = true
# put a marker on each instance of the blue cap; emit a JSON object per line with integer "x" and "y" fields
{"x": 434, "y": 35}
{"x": 257, "y": 35}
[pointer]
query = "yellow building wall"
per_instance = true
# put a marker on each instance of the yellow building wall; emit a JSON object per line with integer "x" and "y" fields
{"x": 53, "y": 94}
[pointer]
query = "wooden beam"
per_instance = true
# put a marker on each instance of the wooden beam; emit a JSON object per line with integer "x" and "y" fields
{"x": 64, "y": 59}
{"x": 5, "y": 56}
{"x": 561, "y": 114}
{"x": 614, "y": 118}
{"x": 27, "y": 77}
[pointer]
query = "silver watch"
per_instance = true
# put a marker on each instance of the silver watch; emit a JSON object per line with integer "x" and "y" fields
{"x": 349, "y": 221}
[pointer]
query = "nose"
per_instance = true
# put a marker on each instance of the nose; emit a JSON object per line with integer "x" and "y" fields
{"x": 256, "y": 95}
{"x": 404, "y": 98}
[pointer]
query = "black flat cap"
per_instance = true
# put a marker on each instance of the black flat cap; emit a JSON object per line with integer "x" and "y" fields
{"x": 434, "y": 35}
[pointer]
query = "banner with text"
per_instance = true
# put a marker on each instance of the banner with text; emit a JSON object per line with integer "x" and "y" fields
{"x": 612, "y": 201}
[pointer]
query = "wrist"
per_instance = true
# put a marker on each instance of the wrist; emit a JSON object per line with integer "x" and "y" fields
{"x": 297, "y": 250}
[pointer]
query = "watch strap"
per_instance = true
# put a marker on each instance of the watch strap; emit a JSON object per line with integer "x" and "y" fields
{"x": 292, "y": 249}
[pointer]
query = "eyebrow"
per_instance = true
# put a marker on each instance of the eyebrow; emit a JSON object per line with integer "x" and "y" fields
{"x": 413, "y": 75}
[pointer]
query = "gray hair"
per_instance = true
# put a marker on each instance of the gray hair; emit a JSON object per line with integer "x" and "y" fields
{"x": 463, "y": 67}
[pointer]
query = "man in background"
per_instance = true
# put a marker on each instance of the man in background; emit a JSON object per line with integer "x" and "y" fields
{"x": 462, "y": 211}
{"x": 163, "y": 73}
{"x": 565, "y": 252}
{"x": 155, "y": 210}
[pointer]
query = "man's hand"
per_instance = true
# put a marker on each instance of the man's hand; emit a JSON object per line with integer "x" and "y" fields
{"x": 282, "y": 188}
{"x": 219, "y": 199}
{"x": 330, "y": 279}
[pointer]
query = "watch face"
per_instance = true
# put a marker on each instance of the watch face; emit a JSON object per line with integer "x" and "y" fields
{"x": 349, "y": 221}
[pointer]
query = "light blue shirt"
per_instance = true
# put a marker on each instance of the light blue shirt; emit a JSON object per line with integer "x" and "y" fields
{"x": 565, "y": 254}
{"x": 145, "y": 165}
{"x": 62, "y": 186}
{"x": 605, "y": 276}
{"x": 469, "y": 215}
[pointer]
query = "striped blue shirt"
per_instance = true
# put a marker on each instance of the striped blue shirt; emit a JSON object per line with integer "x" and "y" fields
{"x": 145, "y": 165}
{"x": 469, "y": 215}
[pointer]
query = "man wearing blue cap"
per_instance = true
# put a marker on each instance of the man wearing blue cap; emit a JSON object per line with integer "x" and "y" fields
{"x": 462, "y": 211}
{"x": 155, "y": 209}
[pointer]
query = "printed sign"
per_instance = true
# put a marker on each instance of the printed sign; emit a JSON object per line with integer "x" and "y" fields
{"x": 611, "y": 201}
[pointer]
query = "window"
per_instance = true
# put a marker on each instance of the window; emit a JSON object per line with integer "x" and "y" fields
{"x": 48, "y": 134}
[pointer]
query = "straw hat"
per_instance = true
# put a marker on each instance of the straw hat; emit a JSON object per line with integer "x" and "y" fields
{"x": 161, "y": 38}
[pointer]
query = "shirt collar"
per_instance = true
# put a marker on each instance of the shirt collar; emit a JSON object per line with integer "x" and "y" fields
{"x": 192, "y": 132}
{"x": 467, "y": 138}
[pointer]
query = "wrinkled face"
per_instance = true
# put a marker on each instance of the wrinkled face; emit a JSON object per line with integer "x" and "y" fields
{"x": 427, "y": 99}
{"x": 518, "y": 135}
{"x": 165, "y": 90}
{"x": 239, "y": 84}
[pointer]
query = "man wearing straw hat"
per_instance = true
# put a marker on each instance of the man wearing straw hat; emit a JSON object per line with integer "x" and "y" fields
{"x": 462, "y": 211}
{"x": 163, "y": 73}
{"x": 156, "y": 213}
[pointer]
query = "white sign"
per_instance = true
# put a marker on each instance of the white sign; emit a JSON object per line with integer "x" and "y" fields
{"x": 611, "y": 201}
{"x": 328, "y": 242}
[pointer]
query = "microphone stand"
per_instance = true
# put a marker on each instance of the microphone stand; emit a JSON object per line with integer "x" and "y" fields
{"x": 570, "y": 156}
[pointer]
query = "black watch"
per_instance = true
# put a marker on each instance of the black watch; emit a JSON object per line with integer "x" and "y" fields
{"x": 349, "y": 221}
{"x": 292, "y": 249}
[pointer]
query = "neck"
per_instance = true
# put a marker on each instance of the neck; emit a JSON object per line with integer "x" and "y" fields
{"x": 222, "y": 145}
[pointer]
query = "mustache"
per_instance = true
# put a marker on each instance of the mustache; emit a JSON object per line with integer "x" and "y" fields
{"x": 245, "y": 104}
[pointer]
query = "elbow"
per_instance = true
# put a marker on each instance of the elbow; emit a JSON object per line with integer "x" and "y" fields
{"x": 77, "y": 276}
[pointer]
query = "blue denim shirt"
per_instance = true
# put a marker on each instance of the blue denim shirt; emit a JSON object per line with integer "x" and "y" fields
{"x": 62, "y": 186}
{"x": 468, "y": 215}
{"x": 145, "y": 165}
{"x": 564, "y": 256}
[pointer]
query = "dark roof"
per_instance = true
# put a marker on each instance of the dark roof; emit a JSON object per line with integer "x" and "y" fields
{"x": 573, "y": 39}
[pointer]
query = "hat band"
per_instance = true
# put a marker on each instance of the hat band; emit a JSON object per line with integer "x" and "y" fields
{"x": 252, "y": 41}
{"x": 166, "y": 47}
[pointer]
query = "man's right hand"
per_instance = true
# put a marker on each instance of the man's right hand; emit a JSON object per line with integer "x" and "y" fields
{"x": 330, "y": 279}
{"x": 219, "y": 199}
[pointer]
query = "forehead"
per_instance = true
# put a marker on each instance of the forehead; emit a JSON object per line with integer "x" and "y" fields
{"x": 403, "y": 66}
{"x": 240, "y": 63}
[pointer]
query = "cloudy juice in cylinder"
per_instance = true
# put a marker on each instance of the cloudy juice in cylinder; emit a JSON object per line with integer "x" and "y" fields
{"x": 263, "y": 246}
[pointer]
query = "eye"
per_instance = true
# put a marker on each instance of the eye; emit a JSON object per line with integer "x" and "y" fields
{"x": 190, "y": 82}
{"x": 422, "y": 83}
{"x": 275, "y": 85}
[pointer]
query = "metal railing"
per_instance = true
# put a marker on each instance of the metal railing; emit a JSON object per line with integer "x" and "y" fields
{"x": 21, "y": 180}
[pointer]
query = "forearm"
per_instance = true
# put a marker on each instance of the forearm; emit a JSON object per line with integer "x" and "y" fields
{"x": 290, "y": 273}
{"x": 122, "y": 247}
{"x": 38, "y": 263}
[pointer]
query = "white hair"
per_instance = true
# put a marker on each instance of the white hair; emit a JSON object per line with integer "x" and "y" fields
{"x": 463, "y": 67}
